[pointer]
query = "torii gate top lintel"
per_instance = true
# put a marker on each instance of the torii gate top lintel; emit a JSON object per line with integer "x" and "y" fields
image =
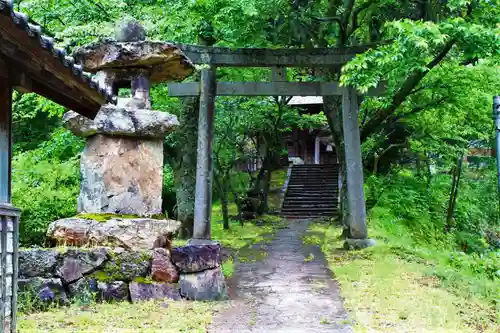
{"x": 265, "y": 57}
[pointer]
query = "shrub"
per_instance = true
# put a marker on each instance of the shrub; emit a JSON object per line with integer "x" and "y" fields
{"x": 45, "y": 185}
{"x": 405, "y": 203}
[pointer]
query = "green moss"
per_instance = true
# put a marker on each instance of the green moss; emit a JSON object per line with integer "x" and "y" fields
{"x": 145, "y": 280}
{"x": 228, "y": 267}
{"x": 104, "y": 217}
{"x": 101, "y": 276}
{"x": 124, "y": 266}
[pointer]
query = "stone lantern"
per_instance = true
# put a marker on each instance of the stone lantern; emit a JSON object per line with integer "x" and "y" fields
{"x": 122, "y": 164}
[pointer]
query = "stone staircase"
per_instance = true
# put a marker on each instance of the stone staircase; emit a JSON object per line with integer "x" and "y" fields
{"x": 312, "y": 191}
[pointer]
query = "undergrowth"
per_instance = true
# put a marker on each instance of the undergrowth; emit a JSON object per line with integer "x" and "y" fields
{"x": 403, "y": 286}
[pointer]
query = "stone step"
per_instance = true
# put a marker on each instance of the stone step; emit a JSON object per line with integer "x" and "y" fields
{"x": 306, "y": 172}
{"x": 314, "y": 186}
{"x": 295, "y": 208}
{"x": 314, "y": 176}
{"x": 300, "y": 196}
{"x": 311, "y": 199}
{"x": 312, "y": 191}
{"x": 313, "y": 179}
{"x": 307, "y": 214}
{"x": 308, "y": 209}
{"x": 315, "y": 166}
{"x": 327, "y": 191}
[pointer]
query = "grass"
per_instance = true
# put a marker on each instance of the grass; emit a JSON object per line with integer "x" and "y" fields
{"x": 170, "y": 316}
{"x": 238, "y": 236}
{"x": 150, "y": 317}
{"x": 400, "y": 287}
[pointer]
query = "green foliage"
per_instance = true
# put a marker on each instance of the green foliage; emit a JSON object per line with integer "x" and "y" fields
{"x": 45, "y": 185}
{"x": 406, "y": 204}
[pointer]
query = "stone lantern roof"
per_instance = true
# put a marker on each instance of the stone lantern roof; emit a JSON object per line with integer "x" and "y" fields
{"x": 120, "y": 61}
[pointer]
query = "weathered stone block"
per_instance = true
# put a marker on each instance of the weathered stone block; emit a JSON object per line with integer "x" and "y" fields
{"x": 132, "y": 234}
{"x": 162, "y": 268}
{"x": 125, "y": 266}
{"x": 196, "y": 258}
{"x": 76, "y": 263}
{"x": 164, "y": 61}
{"x": 209, "y": 285}
{"x": 113, "y": 120}
{"x": 86, "y": 290}
{"x": 153, "y": 291}
{"x": 37, "y": 262}
{"x": 121, "y": 176}
{"x": 71, "y": 231}
{"x": 116, "y": 291}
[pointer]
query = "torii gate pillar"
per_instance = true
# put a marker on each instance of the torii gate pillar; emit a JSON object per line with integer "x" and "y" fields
{"x": 204, "y": 165}
{"x": 358, "y": 234}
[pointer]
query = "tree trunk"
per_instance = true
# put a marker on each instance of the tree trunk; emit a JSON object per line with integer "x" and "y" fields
{"x": 185, "y": 168}
{"x": 333, "y": 112}
{"x": 221, "y": 181}
{"x": 456, "y": 174}
{"x": 237, "y": 202}
{"x": 264, "y": 205}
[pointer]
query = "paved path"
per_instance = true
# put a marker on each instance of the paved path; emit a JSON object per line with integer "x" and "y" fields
{"x": 285, "y": 292}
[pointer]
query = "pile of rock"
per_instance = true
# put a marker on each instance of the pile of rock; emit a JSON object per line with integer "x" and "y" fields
{"x": 56, "y": 276}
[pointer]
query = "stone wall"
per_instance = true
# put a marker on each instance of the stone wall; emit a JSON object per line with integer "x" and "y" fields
{"x": 61, "y": 276}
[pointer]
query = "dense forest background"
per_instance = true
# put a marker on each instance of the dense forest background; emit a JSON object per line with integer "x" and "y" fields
{"x": 440, "y": 60}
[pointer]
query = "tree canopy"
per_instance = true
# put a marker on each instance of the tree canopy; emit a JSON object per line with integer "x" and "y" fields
{"x": 438, "y": 58}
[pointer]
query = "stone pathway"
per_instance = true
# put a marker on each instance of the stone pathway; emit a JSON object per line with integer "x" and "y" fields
{"x": 289, "y": 291}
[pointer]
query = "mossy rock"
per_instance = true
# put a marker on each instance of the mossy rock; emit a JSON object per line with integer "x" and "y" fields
{"x": 104, "y": 217}
{"x": 126, "y": 266}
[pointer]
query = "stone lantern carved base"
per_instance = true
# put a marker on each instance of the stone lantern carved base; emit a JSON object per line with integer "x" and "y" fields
{"x": 122, "y": 164}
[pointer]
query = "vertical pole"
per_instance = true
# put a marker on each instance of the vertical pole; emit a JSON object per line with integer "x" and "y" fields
{"x": 316, "y": 151}
{"x": 204, "y": 172}
{"x": 496, "y": 116}
{"x": 355, "y": 191}
{"x": 5, "y": 133}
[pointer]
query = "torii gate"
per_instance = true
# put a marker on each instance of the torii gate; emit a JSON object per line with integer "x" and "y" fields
{"x": 278, "y": 59}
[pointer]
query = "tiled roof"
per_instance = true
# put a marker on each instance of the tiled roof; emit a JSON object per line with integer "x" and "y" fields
{"x": 21, "y": 20}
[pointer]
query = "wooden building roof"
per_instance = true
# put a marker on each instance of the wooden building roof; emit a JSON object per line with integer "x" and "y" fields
{"x": 36, "y": 65}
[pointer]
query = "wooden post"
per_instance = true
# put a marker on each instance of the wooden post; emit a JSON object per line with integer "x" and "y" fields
{"x": 355, "y": 192}
{"x": 204, "y": 172}
{"x": 5, "y": 133}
